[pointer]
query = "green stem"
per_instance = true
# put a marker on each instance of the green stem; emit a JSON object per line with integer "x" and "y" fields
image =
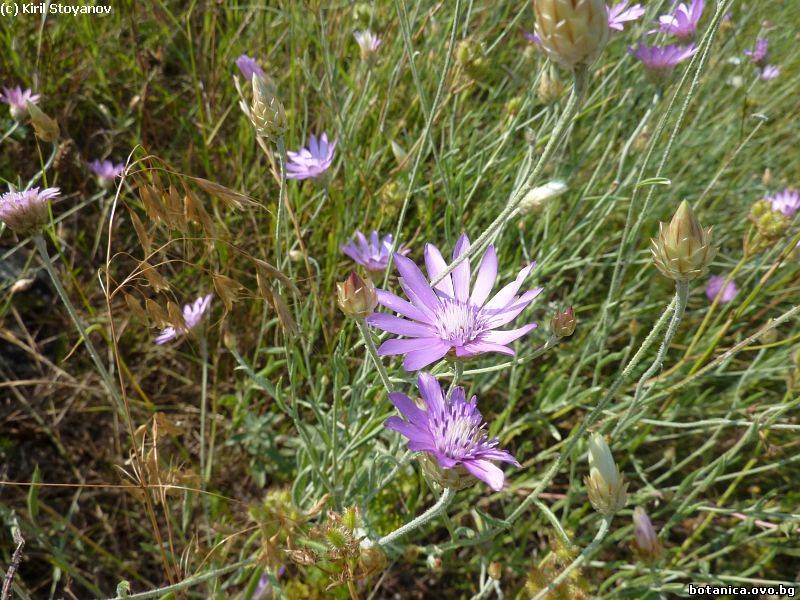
{"x": 373, "y": 352}
{"x": 203, "y": 403}
{"x": 582, "y": 557}
{"x": 444, "y": 500}
{"x": 681, "y": 296}
{"x": 98, "y": 363}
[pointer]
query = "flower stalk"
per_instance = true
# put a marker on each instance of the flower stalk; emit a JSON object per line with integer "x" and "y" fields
{"x": 444, "y": 501}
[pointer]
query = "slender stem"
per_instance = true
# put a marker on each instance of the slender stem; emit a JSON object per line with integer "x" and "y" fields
{"x": 373, "y": 352}
{"x": 188, "y": 582}
{"x": 444, "y": 500}
{"x": 581, "y": 558}
{"x": 98, "y": 363}
{"x": 497, "y": 225}
{"x": 203, "y": 407}
{"x": 681, "y": 296}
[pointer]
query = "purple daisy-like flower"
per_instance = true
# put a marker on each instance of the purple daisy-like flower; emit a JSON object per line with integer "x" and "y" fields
{"x": 26, "y": 211}
{"x": 249, "y": 67}
{"x": 768, "y": 72}
{"x": 787, "y": 202}
{"x": 532, "y": 37}
{"x": 373, "y": 253}
{"x": 758, "y": 55}
{"x": 661, "y": 60}
{"x": 192, "y": 315}
{"x": 368, "y": 43}
{"x": 682, "y": 23}
{"x": 312, "y": 161}
{"x": 716, "y": 286}
{"x": 17, "y": 100}
{"x": 446, "y": 318}
{"x": 451, "y": 430}
{"x": 106, "y": 172}
{"x": 620, "y": 13}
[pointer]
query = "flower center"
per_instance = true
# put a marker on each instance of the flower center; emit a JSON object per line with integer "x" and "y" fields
{"x": 458, "y": 322}
{"x": 458, "y": 431}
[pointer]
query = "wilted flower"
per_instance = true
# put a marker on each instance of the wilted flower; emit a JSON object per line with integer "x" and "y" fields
{"x": 17, "y": 100}
{"x": 25, "y": 212}
{"x": 759, "y": 53}
{"x": 192, "y": 315}
{"x": 249, "y": 67}
{"x": 266, "y": 110}
{"x": 372, "y": 254}
{"x": 451, "y": 430}
{"x": 620, "y": 13}
{"x": 661, "y": 60}
{"x": 607, "y": 491}
{"x": 716, "y": 286}
{"x": 45, "y": 127}
{"x": 106, "y": 172}
{"x": 536, "y": 198}
{"x": 313, "y": 161}
{"x": 683, "y": 249}
{"x": 563, "y": 323}
{"x": 357, "y": 297}
{"x": 682, "y": 23}
{"x": 446, "y": 318}
{"x": 768, "y": 72}
{"x": 645, "y": 538}
{"x": 786, "y": 202}
{"x": 572, "y": 32}
{"x": 368, "y": 43}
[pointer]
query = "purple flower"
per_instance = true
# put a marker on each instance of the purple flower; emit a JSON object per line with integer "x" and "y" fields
{"x": 451, "y": 430}
{"x": 26, "y": 211}
{"x": 787, "y": 202}
{"x": 249, "y": 67}
{"x": 372, "y": 254}
{"x": 368, "y": 43}
{"x": 768, "y": 72}
{"x": 532, "y": 37}
{"x": 447, "y": 318}
{"x": 682, "y": 23}
{"x": 661, "y": 60}
{"x": 312, "y": 161}
{"x": 758, "y": 55}
{"x": 106, "y": 172}
{"x": 17, "y": 100}
{"x": 192, "y": 315}
{"x": 619, "y": 14}
{"x": 716, "y": 287}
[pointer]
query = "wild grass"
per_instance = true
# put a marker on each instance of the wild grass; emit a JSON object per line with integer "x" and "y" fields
{"x": 244, "y": 450}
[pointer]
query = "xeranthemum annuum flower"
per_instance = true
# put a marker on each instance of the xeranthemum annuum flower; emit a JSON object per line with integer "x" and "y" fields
{"x": 24, "y": 212}
{"x": 683, "y": 249}
{"x": 192, "y": 315}
{"x": 572, "y": 32}
{"x": 446, "y": 318}
{"x": 451, "y": 430}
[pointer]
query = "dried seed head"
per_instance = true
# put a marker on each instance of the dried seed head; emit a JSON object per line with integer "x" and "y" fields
{"x": 606, "y": 488}
{"x": 563, "y": 323}
{"x": 572, "y": 32}
{"x": 357, "y": 297}
{"x": 266, "y": 111}
{"x": 683, "y": 249}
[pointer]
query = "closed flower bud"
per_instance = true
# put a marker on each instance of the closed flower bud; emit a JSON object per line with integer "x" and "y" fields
{"x": 683, "y": 249}
{"x": 645, "y": 539}
{"x": 551, "y": 87}
{"x": 357, "y": 297}
{"x": 537, "y": 198}
{"x": 266, "y": 111}
{"x": 45, "y": 128}
{"x": 563, "y": 323}
{"x": 495, "y": 570}
{"x": 607, "y": 491}
{"x": 572, "y": 32}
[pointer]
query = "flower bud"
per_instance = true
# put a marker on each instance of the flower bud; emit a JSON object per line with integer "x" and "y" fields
{"x": 495, "y": 570}
{"x": 266, "y": 111}
{"x": 607, "y": 491}
{"x": 550, "y": 87}
{"x": 645, "y": 539}
{"x": 563, "y": 323}
{"x": 537, "y": 198}
{"x": 45, "y": 128}
{"x": 683, "y": 250}
{"x": 357, "y": 297}
{"x": 572, "y": 32}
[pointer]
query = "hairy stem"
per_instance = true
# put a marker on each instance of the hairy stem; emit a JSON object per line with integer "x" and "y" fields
{"x": 373, "y": 352}
{"x": 444, "y": 500}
